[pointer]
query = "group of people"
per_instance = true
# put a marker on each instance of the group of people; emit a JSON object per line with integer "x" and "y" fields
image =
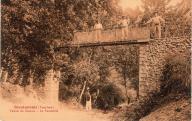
{"x": 155, "y": 23}
{"x": 124, "y": 24}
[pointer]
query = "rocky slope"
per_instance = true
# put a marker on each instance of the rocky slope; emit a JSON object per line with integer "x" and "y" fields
{"x": 173, "y": 111}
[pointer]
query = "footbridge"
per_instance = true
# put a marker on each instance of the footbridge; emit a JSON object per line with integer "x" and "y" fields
{"x": 152, "y": 52}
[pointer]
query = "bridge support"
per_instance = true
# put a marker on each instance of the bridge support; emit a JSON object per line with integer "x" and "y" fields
{"x": 152, "y": 59}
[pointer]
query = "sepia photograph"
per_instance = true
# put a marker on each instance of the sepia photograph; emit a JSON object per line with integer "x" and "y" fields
{"x": 95, "y": 60}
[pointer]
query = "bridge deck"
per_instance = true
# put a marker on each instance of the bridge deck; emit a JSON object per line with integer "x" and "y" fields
{"x": 110, "y": 37}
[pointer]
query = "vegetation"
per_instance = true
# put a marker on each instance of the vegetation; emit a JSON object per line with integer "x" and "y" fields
{"x": 31, "y": 29}
{"x": 175, "y": 81}
{"x": 94, "y": 72}
{"x": 177, "y": 74}
{"x": 26, "y": 23}
{"x": 175, "y": 85}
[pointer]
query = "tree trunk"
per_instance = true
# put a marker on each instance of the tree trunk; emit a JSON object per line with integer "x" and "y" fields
{"x": 5, "y": 76}
{"x": 84, "y": 85}
{"x": 1, "y": 71}
{"x": 30, "y": 77}
{"x": 21, "y": 79}
{"x": 96, "y": 95}
{"x": 127, "y": 97}
{"x": 138, "y": 93}
{"x": 125, "y": 80}
{"x": 58, "y": 75}
{"x": 26, "y": 76}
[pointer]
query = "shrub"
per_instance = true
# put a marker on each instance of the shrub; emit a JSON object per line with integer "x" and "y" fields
{"x": 176, "y": 75}
{"x": 109, "y": 97}
{"x": 139, "y": 108}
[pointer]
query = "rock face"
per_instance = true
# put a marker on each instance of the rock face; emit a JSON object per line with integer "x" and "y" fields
{"x": 152, "y": 58}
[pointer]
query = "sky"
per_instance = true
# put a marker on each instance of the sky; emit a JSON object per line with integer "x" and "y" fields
{"x": 134, "y": 3}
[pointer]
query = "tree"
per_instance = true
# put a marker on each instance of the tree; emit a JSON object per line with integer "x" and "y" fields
{"x": 27, "y": 30}
{"x": 157, "y": 5}
{"x": 82, "y": 14}
{"x": 177, "y": 22}
{"x": 176, "y": 75}
{"x": 87, "y": 73}
{"x": 151, "y": 6}
{"x": 126, "y": 62}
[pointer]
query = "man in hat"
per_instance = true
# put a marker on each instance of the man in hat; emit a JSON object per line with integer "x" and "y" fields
{"x": 124, "y": 25}
{"x": 156, "y": 22}
{"x": 98, "y": 27}
{"x": 88, "y": 100}
{"x": 138, "y": 21}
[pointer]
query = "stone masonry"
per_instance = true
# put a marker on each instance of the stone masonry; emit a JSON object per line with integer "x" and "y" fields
{"x": 152, "y": 60}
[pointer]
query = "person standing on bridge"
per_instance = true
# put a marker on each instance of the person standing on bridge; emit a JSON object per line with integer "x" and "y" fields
{"x": 124, "y": 26}
{"x": 98, "y": 27}
{"x": 138, "y": 21}
{"x": 156, "y": 22}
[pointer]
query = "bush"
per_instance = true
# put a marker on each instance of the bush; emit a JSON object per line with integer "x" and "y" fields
{"x": 109, "y": 97}
{"x": 139, "y": 108}
{"x": 176, "y": 75}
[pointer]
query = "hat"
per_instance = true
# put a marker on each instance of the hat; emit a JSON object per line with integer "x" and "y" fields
{"x": 155, "y": 11}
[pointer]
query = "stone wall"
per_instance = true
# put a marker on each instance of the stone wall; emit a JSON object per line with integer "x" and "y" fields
{"x": 152, "y": 60}
{"x": 52, "y": 86}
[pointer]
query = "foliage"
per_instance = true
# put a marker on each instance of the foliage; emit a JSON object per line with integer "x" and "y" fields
{"x": 146, "y": 105}
{"x": 27, "y": 29}
{"x": 177, "y": 17}
{"x": 30, "y": 29}
{"x": 178, "y": 23}
{"x": 86, "y": 71}
{"x": 93, "y": 65}
{"x": 151, "y": 6}
{"x": 78, "y": 15}
{"x": 126, "y": 61}
{"x": 109, "y": 97}
{"x": 177, "y": 75}
{"x": 81, "y": 72}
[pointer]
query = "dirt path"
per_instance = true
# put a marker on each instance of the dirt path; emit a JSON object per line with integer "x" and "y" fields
{"x": 19, "y": 106}
{"x": 50, "y": 113}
